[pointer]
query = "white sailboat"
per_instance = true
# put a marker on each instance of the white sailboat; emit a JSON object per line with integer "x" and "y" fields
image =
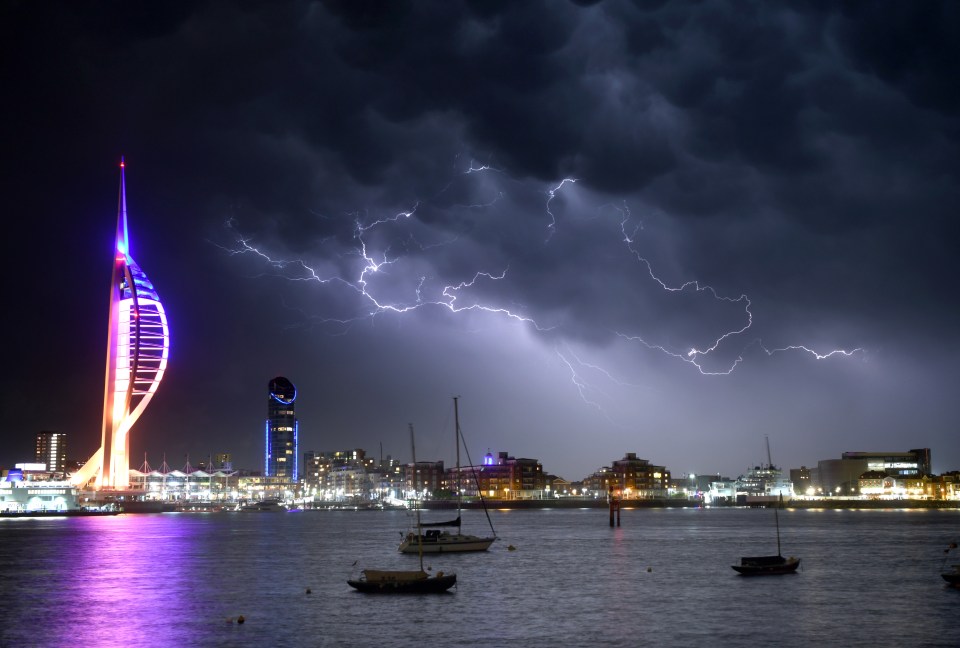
{"x": 435, "y": 540}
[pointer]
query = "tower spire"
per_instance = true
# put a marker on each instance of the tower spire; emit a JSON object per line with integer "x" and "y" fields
{"x": 138, "y": 345}
{"x": 123, "y": 245}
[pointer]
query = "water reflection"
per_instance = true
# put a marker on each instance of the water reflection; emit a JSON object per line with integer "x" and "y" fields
{"x": 117, "y": 581}
{"x": 664, "y": 578}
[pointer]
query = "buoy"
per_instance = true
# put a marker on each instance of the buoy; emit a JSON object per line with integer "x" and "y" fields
{"x": 649, "y": 569}
{"x": 240, "y": 619}
{"x": 309, "y": 591}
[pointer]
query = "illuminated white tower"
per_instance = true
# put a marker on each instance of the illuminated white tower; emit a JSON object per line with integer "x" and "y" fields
{"x": 138, "y": 343}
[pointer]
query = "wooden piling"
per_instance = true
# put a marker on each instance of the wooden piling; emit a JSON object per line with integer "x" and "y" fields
{"x": 614, "y": 506}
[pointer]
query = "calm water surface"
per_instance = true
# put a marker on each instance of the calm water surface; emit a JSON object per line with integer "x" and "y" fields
{"x": 662, "y": 578}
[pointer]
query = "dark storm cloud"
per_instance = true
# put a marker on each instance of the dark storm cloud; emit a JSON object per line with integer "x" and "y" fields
{"x": 803, "y": 153}
{"x": 778, "y": 121}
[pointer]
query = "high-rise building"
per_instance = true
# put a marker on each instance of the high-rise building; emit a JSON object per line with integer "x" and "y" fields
{"x": 52, "y": 451}
{"x": 138, "y": 343}
{"x": 280, "y": 456}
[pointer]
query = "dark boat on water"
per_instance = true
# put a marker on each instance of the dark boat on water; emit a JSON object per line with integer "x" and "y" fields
{"x": 768, "y": 565}
{"x": 952, "y": 577}
{"x": 374, "y": 581}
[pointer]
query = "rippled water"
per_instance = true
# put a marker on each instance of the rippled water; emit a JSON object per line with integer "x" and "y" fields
{"x": 662, "y": 578}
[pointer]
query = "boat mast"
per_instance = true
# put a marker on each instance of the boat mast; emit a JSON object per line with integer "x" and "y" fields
{"x": 413, "y": 451}
{"x": 456, "y": 420}
{"x": 776, "y": 516}
{"x": 776, "y": 513}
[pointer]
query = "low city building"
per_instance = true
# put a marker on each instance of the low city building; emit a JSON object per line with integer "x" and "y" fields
{"x": 501, "y": 477}
{"x": 629, "y": 478}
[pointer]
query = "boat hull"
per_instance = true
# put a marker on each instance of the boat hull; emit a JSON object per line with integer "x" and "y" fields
{"x": 952, "y": 577}
{"x": 402, "y": 583}
{"x": 444, "y": 543}
{"x": 767, "y": 566}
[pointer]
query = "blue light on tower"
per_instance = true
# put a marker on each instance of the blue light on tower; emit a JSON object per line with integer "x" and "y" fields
{"x": 282, "y": 431}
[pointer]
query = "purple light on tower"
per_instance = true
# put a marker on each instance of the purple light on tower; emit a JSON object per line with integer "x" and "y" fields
{"x": 138, "y": 345}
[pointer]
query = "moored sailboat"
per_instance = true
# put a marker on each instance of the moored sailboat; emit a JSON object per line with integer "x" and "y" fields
{"x": 386, "y": 581}
{"x": 768, "y": 565}
{"x": 435, "y": 540}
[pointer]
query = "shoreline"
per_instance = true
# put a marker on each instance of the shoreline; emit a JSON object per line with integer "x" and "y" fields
{"x": 672, "y": 503}
{"x": 135, "y": 508}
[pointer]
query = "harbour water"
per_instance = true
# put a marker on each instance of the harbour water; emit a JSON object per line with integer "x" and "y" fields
{"x": 663, "y": 578}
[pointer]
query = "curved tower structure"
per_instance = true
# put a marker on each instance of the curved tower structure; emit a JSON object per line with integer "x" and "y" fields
{"x": 138, "y": 343}
{"x": 280, "y": 456}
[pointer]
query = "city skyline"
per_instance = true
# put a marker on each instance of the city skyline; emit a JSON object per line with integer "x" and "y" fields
{"x": 670, "y": 228}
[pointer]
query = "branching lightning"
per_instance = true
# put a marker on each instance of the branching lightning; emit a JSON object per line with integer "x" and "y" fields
{"x": 382, "y": 252}
{"x": 693, "y": 356}
{"x": 372, "y": 265}
{"x": 551, "y": 194}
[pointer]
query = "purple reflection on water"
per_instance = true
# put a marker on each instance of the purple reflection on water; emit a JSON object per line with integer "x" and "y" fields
{"x": 105, "y": 581}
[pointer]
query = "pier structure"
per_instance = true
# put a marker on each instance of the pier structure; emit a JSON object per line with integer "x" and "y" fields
{"x": 614, "y": 502}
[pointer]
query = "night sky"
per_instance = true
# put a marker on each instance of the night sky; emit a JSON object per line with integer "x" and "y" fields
{"x": 608, "y": 226}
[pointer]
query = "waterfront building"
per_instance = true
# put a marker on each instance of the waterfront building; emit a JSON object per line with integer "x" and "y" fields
{"x": 803, "y": 481}
{"x": 423, "y": 478}
{"x": 841, "y": 477}
{"x": 346, "y": 475}
{"x": 912, "y": 463}
{"x": 635, "y": 478}
{"x": 316, "y": 465}
{"x": 255, "y": 488}
{"x": 390, "y": 479}
{"x": 629, "y": 478}
{"x": 184, "y": 485}
{"x": 599, "y": 483}
{"x": 836, "y": 477}
{"x": 281, "y": 431}
{"x": 502, "y": 477}
{"x": 876, "y": 484}
{"x": 138, "y": 344}
{"x": 945, "y": 486}
{"x": 558, "y": 486}
{"x": 51, "y": 449}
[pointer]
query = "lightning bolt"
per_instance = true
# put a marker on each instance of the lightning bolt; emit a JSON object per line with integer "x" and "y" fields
{"x": 380, "y": 264}
{"x": 383, "y": 259}
{"x": 693, "y": 356}
{"x": 551, "y": 194}
{"x": 582, "y": 386}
